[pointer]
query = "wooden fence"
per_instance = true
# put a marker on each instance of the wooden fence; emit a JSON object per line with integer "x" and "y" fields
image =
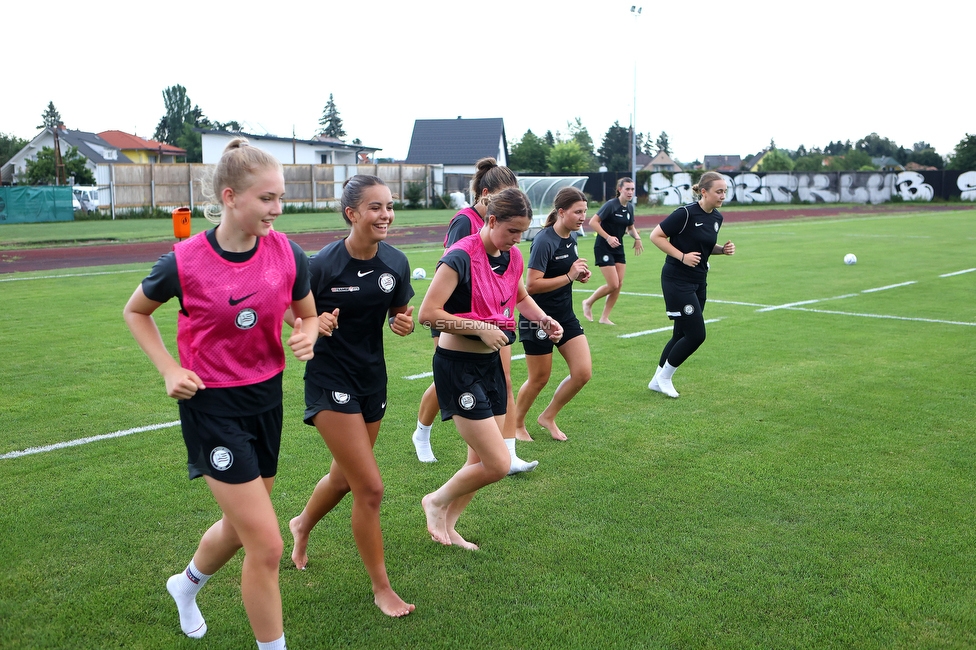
{"x": 123, "y": 187}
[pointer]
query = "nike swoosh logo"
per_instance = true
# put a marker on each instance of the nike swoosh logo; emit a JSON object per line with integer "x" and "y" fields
{"x": 233, "y": 301}
{"x": 495, "y": 268}
{"x": 698, "y": 224}
{"x": 569, "y": 244}
{"x": 363, "y": 274}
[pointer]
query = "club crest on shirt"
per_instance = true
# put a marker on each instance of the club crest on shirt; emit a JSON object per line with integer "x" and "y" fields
{"x": 221, "y": 458}
{"x": 508, "y": 312}
{"x": 466, "y": 401}
{"x": 340, "y": 398}
{"x": 387, "y": 282}
{"x": 689, "y": 310}
{"x": 716, "y": 226}
{"x": 246, "y": 319}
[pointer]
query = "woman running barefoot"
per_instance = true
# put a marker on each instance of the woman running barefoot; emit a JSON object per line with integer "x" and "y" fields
{"x": 611, "y": 222}
{"x": 688, "y": 237}
{"x": 554, "y": 265}
{"x": 489, "y": 177}
{"x": 471, "y": 300}
{"x": 234, "y": 284}
{"x": 363, "y": 283}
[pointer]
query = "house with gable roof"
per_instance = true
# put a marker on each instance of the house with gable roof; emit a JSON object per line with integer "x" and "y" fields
{"x": 140, "y": 150}
{"x": 457, "y": 144}
{"x": 722, "y": 163}
{"x": 93, "y": 148}
{"x": 290, "y": 151}
{"x": 661, "y": 162}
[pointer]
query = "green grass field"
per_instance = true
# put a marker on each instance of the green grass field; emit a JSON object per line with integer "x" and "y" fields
{"x": 811, "y": 488}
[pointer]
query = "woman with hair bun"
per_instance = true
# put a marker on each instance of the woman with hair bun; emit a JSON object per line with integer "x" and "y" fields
{"x": 476, "y": 288}
{"x": 489, "y": 178}
{"x": 234, "y": 284}
{"x": 688, "y": 236}
{"x": 554, "y": 265}
{"x": 364, "y": 283}
{"x": 610, "y": 223}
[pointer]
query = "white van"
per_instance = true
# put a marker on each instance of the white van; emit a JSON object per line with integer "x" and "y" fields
{"x": 84, "y": 197}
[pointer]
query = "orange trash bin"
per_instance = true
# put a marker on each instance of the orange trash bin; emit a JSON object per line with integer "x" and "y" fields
{"x": 181, "y": 223}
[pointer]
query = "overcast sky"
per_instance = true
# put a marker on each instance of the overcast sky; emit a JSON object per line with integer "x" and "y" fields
{"x": 718, "y": 77}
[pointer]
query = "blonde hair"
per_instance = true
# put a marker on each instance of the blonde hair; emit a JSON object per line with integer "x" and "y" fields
{"x": 238, "y": 165}
{"x": 565, "y": 198}
{"x": 705, "y": 182}
{"x": 491, "y": 176}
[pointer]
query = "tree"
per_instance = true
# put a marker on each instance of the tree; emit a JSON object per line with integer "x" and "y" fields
{"x": 664, "y": 143}
{"x": 549, "y": 139}
{"x": 568, "y": 157}
{"x": 837, "y": 148}
{"x": 853, "y": 160}
{"x": 927, "y": 157}
{"x": 615, "y": 150}
{"x": 330, "y": 121}
{"x": 963, "y": 157}
{"x": 809, "y": 163}
{"x": 876, "y": 147}
{"x": 529, "y": 154}
{"x": 50, "y": 118}
{"x": 776, "y": 160}
{"x": 9, "y": 146}
{"x": 581, "y": 136}
{"x": 178, "y": 111}
{"x": 41, "y": 170}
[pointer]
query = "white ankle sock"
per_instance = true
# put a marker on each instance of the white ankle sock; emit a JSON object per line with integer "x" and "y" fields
{"x": 421, "y": 443}
{"x": 183, "y": 587}
{"x": 277, "y": 644}
{"x": 667, "y": 371}
{"x": 510, "y": 443}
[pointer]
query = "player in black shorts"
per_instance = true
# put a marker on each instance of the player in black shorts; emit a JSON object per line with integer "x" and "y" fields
{"x": 554, "y": 265}
{"x": 363, "y": 284}
{"x": 489, "y": 178}
{"x": 610, "y": 223}
{"x": 234, "y": 284}
{"x": 688, "y": 236}
{"x": 472, "y": 300}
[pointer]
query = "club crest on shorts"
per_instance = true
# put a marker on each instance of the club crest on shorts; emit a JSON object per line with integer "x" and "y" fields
{"x": 606, "y": 258}
{"x": 246, "y": 319}
{"x": 689, "y": 310}
{"x": 541, "y": 334}
{"x": 221, "y": 458}
{"x": 387, "y": 282}
{"x": 466, "y": 401}
{"x": 340, "y": 398}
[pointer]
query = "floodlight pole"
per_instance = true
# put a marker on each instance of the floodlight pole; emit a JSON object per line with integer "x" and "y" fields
{"x": 635, "y": 11}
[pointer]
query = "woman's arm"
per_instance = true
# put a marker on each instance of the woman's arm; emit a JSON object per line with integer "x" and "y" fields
{"x": 401, "y": 320}
{"x": 597, "y": 225}
{"x": 306, "y": 332}
{"x": 180, "y": 382}
{"x": 531, "y": 310}
{"x": 433, "y": 314}
{"x": 638, "y": 244}
{"x": 659, "y": 239}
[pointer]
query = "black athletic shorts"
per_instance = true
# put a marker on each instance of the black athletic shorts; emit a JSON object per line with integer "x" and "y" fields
{"x": 606, "y": 256}
{"x": 469, "y": 384}
{"x": 535, "y": 340}
{"x": 231, "y": 449}
{"x": 682, "y": 298}
{"x": 373, "y": 407}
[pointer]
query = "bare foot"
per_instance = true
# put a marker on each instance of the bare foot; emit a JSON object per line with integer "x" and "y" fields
{"x": 552, "y": 428}
{"x": 391, "y": 604}
{"x": 587, "y": 310}
{"x": 436, "y": 521}
{"x": 521, "y": 433}
{"x": 457, "y": 540}
{"x": 606, "y": 321}
{"x": 299, "y": 554}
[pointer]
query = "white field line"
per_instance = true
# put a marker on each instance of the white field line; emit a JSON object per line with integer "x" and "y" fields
{"x": 660, "y": 329}
{"x": 71, "y": 275}
{"x": 84, "y": 441}
{"x": 890, "y": 286}
{"x": 949, "y": 275}
{"x": 884, "y": 316}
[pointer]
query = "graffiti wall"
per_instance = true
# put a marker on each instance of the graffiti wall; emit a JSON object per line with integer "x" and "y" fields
{"x": 822, "y": 187}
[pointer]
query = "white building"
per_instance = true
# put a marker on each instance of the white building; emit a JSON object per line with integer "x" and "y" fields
{"x": 290, "y": 151}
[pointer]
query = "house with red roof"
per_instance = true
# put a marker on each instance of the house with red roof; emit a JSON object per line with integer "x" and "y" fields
{"x": 140, "y": 150}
